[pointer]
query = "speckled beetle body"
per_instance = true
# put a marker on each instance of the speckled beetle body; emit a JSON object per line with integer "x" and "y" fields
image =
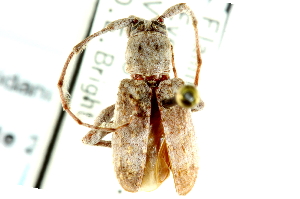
{"x": 149, "y": 139}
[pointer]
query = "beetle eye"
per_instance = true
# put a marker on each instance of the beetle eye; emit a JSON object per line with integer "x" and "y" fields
{"x": 156, "y": 23}
{"x": 135, "y": 21}
{"x": 160, "y": 19}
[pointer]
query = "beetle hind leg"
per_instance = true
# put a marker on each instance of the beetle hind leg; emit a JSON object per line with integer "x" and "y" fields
{"x": 95, "y": 137}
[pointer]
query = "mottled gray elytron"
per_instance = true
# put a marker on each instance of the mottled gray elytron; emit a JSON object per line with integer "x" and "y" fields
{"x": 150, "y": 137}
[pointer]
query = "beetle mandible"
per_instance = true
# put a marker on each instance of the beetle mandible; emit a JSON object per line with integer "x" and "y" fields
{"x": 152, "y": 132}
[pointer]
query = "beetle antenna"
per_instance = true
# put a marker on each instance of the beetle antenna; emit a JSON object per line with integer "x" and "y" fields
{"x": 173, "y": 62}
{"x": 179, "y": 8}
{"x": 64, "y": 95}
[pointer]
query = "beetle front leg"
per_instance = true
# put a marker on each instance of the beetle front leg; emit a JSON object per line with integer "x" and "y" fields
{"x": 94, "y": 137}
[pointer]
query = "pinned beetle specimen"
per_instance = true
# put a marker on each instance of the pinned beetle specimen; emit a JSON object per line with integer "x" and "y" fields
{"x": 152, "y": 129}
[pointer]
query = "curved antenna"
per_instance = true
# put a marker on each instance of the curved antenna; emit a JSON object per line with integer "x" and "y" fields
{"x": 64, "y": 95}
{"x": 179, "y": 8}
{"x": 173, "y": 62}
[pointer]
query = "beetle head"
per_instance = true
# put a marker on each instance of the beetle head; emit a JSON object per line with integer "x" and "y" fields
{"x": 140, "y": 25}
{"x": 148, "y": 49}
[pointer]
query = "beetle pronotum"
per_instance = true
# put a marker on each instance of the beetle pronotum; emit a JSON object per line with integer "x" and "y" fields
{"x": 151, "y": 134}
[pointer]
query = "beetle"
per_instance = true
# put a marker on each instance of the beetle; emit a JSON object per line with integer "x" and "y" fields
{"x": 152, "y": 130}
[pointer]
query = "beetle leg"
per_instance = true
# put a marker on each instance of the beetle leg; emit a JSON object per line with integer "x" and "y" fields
{"x": 94, "y": 137}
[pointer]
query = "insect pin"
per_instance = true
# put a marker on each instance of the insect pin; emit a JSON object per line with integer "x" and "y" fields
{"x": 152, "y": 130}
